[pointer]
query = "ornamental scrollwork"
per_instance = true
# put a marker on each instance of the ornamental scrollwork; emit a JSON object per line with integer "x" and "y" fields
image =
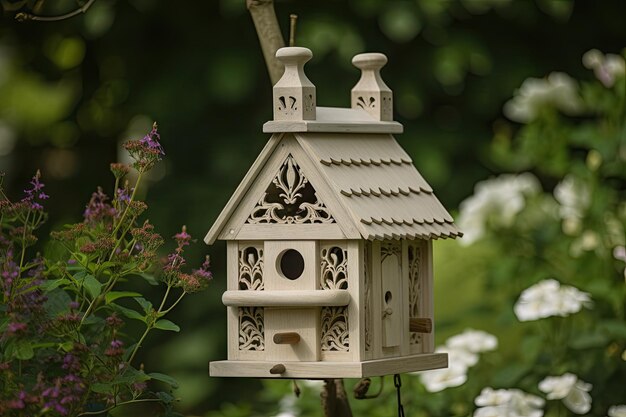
{"x": 251, "y": 331}
{"x": 251, "y": 268}
{"x": 335, "y": 335}
{"x": 334, "y": 268}
{"x": 290, "y": 199}
{"x": 415, "y": 287}
{"x": 368, "y": 295}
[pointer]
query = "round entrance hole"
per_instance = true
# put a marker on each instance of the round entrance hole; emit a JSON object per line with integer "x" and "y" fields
{"x": 387, "y": 297}
{"x": 291, "y": 264}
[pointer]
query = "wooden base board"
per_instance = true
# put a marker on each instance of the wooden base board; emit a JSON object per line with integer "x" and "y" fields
{"x": 323, "y": 370}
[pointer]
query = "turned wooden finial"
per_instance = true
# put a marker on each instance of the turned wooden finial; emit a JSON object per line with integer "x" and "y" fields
{"x": 294, "y": 93}
{"x": 371, "y": 93}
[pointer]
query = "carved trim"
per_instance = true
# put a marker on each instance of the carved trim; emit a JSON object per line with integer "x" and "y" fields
{"x": 335, "y": 335}
{"x": 251, "y": 268}
{"x": 415, "y": 287}
{"x": 290, "y": 199}
{"x": 334, "y": 268}
{"x": 251, "y": 328}
{"x": 364, "y": 104}
{"x": 367, "y": 284}
{"x": 391, "y": 247}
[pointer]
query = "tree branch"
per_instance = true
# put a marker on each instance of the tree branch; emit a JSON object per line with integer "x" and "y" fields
{"x": 22, "y": 17}
{"x": 268, "y": 32}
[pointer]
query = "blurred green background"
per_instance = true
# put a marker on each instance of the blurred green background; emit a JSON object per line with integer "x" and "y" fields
{"x": 71, "y": 91}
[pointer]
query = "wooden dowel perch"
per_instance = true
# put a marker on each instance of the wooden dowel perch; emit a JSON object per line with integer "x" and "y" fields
{"x": 290, "y": 338}
{"x": 278, "y": 369}
{"x": 421, "y": 325}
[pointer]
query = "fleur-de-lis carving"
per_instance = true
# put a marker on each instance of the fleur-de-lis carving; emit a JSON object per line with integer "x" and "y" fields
{"x": 362, "y": 103}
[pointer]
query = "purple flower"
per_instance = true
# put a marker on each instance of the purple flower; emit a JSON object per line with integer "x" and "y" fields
{"x": 151, "y": 140}
{"x": 98, "y": 209}
{"x": 16, "y": 327}
{"x": 35, "y": 193}
{"x": 147, "y": 151}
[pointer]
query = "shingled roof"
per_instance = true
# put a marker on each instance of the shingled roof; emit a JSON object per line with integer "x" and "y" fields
{"x": 379, "y": 186}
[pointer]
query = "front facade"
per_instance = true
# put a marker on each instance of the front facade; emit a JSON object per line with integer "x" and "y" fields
{"x": 329, "y": 241}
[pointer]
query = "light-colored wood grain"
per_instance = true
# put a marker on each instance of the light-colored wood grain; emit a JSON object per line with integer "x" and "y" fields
{"x": 303, "y": 321}
{"x": 286, "y": 299}
{"x": 427, "y": 306}
{"x": 290, "y": 231}
{"x": 322, "y": 127}
{"x": 355, "y": 262}
{"x": 232, "y": 317}
{"x": 405, "y": 349}
{"x": 286, "y": 338}
{"x": 294, "y": 94}
{"x": 248, "y": 179}
{"x": 377, "y": 310}
{"x": 371, "y": 93}
{"x": 324, "y": 370}
{"x": 392, "y": 301}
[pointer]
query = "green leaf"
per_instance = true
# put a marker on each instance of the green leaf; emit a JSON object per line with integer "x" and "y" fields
{"x": 164, "y": 378}
{"x": 131, "y": 314}
{"x": 67, "y": 346}
{"x": 145, "y": 304}
{"x": 23, "y": 350}
{"x": 150, "y": 279}
{"x": 58, "y": 302}
{"x": 166, "y": 325}
{"x": 114, "y": 295}
{"x": 92, "y": 285}
{"x": 54, "y": 283}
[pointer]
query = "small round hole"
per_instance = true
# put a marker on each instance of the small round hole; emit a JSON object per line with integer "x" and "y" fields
{"x": 291, "y": 264}
{"x": 388, "y": 297}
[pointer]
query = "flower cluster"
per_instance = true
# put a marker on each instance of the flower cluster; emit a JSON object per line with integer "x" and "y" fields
{"x": 98, "y": 209}
{"x": 147, "y": 151}
{"x": 607, "y": 68}
{"x": 570, "y": 389}
{"x": 495, "y": 202}
{"x": 558, "y": 90}
{"x": 462, "y": 350}
{"x": 549, "y": 298}
{"x": 35, "y": 195}
{"x": 574, "y": 198}
{"x": 507, "y": 403}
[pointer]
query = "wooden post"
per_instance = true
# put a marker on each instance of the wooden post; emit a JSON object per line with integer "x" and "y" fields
{"x": 421, "y": 325}
{"x": 290, "y": 338}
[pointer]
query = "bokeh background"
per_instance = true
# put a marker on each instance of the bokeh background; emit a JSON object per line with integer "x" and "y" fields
{"x": 72, "y": 91}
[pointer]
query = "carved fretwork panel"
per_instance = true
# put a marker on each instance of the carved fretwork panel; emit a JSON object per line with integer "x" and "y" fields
{"x": 391, "y": 275}
{"x": 251, "y": 267}
{"x": 367, "y": 284}
{"x": 335, "y": 336}
{"x": 290, "y": 199}
{"x": 251, "y": 328}
{"x": 415, "y": 286}
{"x": 334, "y": 268}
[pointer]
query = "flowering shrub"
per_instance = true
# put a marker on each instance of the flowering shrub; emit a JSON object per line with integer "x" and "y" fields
{"x": 544, "y": 249}
{"x": 64, "y": 348}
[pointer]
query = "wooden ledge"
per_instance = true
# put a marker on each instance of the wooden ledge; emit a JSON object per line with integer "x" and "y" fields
{"x": 323, "y": 370}
{"x": 295, "y": 299}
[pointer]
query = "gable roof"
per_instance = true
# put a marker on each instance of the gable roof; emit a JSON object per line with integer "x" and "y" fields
{"x": 372, "y": 178}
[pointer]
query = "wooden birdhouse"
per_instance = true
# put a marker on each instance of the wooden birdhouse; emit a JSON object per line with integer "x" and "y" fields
{"x": 329, "y": 240}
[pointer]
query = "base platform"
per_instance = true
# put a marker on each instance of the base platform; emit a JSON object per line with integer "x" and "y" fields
{"x": 324, "y": 370}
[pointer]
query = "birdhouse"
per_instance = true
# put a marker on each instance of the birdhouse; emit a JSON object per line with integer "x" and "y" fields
{"x": 329, "y": 240}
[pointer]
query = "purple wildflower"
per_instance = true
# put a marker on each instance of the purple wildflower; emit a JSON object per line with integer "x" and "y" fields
{"x": 147, "y": 151}
{"x": 16, "y": 328}
{"x": 10, "y": 272}
{"x": 98, "y": 209}
{"x": 115, "y": 348}
{"x": 123, "y": 194}
{"x": 35, "y": 195}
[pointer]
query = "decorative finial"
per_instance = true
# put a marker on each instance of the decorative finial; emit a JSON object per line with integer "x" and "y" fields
{"x": 371, "y": 93}
{"x": 294, "y": 94}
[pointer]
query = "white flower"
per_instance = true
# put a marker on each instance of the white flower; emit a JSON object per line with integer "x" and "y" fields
{"x": 557, "y": 90}
{"x": 567, "y": 387}
{"x": 606, "y": 68}
{"x": 452, "y": 376}
{"x": 495, "y": 201}
{"x": 617, "y": 411}
{"x": 549, "y": 298}
{"x": 507, "y": 403}
{"x": 574, "y": 198}
{"x": 474, "y": 341}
